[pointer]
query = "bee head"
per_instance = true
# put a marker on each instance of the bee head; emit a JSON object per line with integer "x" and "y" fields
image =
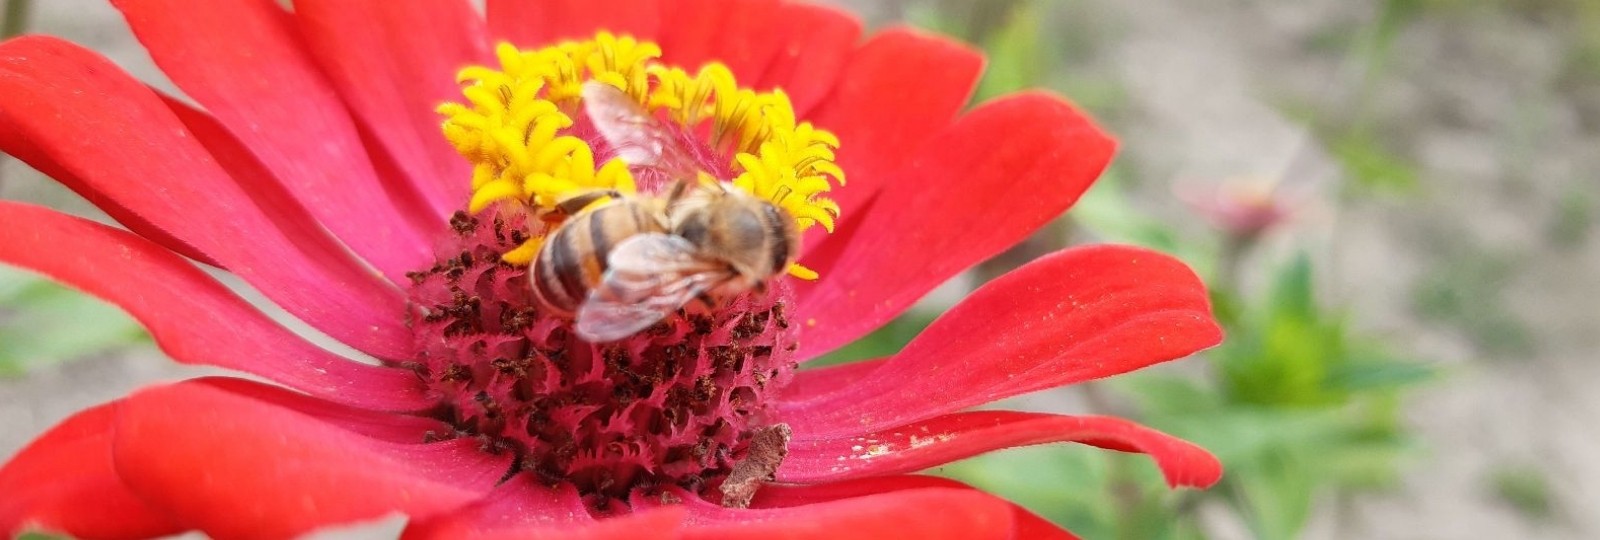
{"x": 755, "y": 237}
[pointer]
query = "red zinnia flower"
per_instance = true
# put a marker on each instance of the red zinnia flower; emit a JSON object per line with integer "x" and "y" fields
{"x": 313, "y": 170}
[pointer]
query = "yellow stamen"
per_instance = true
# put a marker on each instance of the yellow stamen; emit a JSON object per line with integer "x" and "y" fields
{"x": 513, "y": 127}
{"x": 524, "y": 253}
{"x": 802, "y": 272}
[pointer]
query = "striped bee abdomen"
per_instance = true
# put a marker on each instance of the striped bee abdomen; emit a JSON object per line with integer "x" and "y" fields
{"x": 573, "y": 259}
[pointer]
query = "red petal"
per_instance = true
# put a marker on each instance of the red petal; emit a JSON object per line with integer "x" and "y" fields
{"x": 1027, "y": 525}
{"x": 232, "y": 465}
{"x": 952, "y": 437}
{"x": 192, "y": 317}
{"x": 49, "y": 481}
{"x": 768, "y": 44}
{"x": 14, "y": 142}
{"x": 898, "y": 90}
{"x": 739, "y": 33}
{"x": 387, "y": 426}
{"x": 392, "y": 76}
{"x": 247, "y": 171}
{"x": 524, "y": 509}
{"x": 804, "y": 512}
{"x": 981, "y": 186}
{"x": 815, "y": 44}
{"x": 536, "y": 23}
{"x": 83, "y": 116}
{"x": 244, "y": 62}
{"x": 1071, "y": 316}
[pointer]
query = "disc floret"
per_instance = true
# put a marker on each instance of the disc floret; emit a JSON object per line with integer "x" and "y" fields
{"x": 678, "y": 404}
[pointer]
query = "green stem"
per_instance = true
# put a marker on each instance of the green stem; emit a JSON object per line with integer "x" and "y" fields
{"x": 16, "y": 18}
{"x": 12, "y": 23}
{"x": 1125, "y": 492}
{"x": 1234, "y": 250}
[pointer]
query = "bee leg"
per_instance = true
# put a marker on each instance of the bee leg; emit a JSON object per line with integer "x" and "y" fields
{"x": 575, "y": 203}
{"x": 706, "y": 299}
{"x": 680, "y": 188}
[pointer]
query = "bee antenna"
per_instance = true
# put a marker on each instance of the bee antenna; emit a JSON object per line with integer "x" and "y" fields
{"x": 680, "y": 187}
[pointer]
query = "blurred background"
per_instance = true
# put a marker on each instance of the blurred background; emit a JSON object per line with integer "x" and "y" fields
{"x": 1394, "y": 201}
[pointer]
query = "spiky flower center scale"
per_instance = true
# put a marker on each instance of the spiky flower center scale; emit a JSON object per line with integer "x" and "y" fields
{"x": 676, "y": 404}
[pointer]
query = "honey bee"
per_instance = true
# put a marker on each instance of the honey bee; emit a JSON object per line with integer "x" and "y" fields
{"x": 620, "y": 266}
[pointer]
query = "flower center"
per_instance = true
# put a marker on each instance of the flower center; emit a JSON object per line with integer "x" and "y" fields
{"x": 529, "y": 142}
{"x": 611, "y": 305}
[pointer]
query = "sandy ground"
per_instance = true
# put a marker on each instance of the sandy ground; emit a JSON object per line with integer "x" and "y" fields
{"x": 1497, "y": 149}
{"x": 1471, "y": 99}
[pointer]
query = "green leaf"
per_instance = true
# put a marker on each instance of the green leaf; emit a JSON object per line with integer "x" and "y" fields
{"x": 1162, "y": 394}
{"x": 1573, "y": 220}
{"x": 1364, "y": 465}
{"x": 44, "y": 323}
{"x": 1293, "y": 293}
{"x": 881, "y": 342}
{"x": 1069, "y": 486}
{"x": 1106, "y": 212}
{"x": 1378, "y": 374}
{"x": 1525, "y": 488}
{"x": 1373, "y": 165}
{"x": 1275, "y": 496}
{"x": 1015, "y": 54}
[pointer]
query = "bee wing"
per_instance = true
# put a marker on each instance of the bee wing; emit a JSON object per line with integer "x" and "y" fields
{"x": 638, "y": 137}
{"x": 649, "y": 276}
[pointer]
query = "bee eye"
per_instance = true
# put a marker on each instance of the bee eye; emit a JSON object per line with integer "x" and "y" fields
{"x": 695, "y": 230}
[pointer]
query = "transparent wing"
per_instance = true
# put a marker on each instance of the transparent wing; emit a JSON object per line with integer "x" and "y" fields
{"x": 638, "y": 137}
{"x": 649, "y": 276}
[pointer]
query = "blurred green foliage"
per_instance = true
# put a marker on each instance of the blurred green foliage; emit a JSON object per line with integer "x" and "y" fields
{"x": 1373, "y": 165}
{"x": 882, "y": 342}
{"x": 1298, "y": 406}
{"x": 42, "y": 323}
{"x": 1466, "y": 290}
{"x": 40, "y": 536}
{"x": 1573, "y": 219}
{"x": 1301, "y": 408}
{"x": 1525, "y": 488}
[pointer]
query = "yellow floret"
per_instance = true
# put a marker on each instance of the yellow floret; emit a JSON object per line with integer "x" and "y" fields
{"x": 514, "y": 122}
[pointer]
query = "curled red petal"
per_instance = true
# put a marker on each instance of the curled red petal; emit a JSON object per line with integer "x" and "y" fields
{"x": 814, "y": 43}
{"x": 930, "y": 443}
{"x": 392, "y": 76}
{"x": 1026, "y": 524}
{"x": 244, "y": 61}
{"x": 1071, "y": 316}
{"x": 536, "y": 23}
{"x": 932, "y": 513}
{"x": 192, "y": 317}
{"x": 47, "y": 484}
{"x": 233, "y": 465}
{"x": 75, "y": 112}
{"x": 524, "y": 509}
{"x": 893, "y": 94}
{"x": 981, "y": 186}
{"x": 377, "y": 424}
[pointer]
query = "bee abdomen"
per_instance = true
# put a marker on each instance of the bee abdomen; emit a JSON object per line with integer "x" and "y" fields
{"x": 780, "y": 229}
{"x": 573, "y": 259}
